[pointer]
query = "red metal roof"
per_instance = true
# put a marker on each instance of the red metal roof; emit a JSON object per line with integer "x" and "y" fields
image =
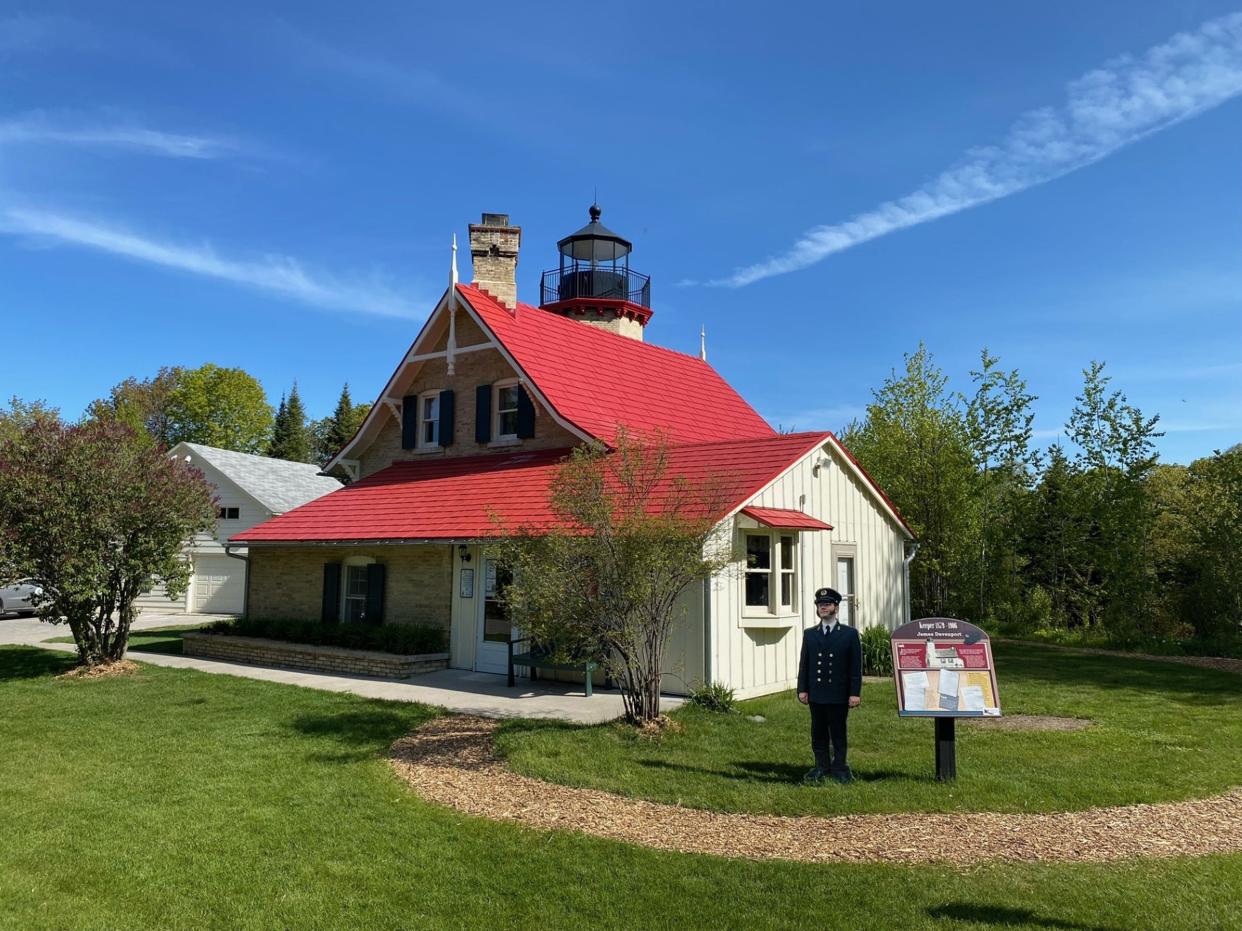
{"x": 785, "y": 519}
{"x": 599, "y": 380}
{"x": 452, "y": 499}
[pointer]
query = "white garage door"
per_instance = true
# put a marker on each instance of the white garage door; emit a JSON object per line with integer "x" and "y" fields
{"x": 219, "y": 585}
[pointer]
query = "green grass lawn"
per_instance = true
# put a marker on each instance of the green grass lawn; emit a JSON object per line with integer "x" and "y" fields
{"x": 152, "y": 639}
{"x": 178, "y": 799}
{"x": 1161, "y": 732}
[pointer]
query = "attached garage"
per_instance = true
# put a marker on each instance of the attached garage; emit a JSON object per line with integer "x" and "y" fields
{"x": 219, "y": 585}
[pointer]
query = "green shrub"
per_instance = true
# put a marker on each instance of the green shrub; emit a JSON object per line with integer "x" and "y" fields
{"x": 713, "y": 696}
{"x": 403, "y": 639}
{"x": 877, "y": 654}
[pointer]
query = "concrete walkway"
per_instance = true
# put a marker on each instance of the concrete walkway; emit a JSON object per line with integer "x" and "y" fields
{"x": 456, "y": 690}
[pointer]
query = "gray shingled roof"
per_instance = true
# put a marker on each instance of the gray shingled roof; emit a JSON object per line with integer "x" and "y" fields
{"x": 277, "y": 484}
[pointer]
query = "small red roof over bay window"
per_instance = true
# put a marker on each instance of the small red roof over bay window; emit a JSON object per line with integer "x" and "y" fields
{"x": 785, "y": 519}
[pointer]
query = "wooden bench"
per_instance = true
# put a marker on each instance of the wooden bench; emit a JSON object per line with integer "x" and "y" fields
{"x": 535, "y": 659}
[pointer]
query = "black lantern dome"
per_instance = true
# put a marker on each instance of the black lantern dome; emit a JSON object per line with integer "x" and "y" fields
{"x": 595, "y": 243}
{"x": 595, "y": 270}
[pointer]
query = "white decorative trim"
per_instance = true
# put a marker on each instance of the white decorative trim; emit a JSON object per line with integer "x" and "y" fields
{"x": 443, "y": 354}
{"x": 352, "y": 467}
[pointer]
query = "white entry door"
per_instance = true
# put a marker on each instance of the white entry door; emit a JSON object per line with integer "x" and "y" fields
{"x": 847, "y": 613}
{"x": 219, "y": 585}
{"x": 491, "y": 652}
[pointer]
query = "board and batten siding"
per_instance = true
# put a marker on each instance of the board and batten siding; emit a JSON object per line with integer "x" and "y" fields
{"x": 757, "y": 660}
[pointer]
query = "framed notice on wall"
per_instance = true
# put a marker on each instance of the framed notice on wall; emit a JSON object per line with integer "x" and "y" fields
{"x": 943, "y": 668}
{"x": 467, "y": 583}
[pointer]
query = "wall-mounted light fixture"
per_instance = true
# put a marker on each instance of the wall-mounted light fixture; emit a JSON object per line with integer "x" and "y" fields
{"x": 463, "y": 552}
{"x": 822, "y": 462}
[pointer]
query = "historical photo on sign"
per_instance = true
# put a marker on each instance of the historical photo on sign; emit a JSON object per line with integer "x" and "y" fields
{"x": 944, "y": 667}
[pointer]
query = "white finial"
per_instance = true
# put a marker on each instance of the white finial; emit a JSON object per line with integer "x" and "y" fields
{"x": 703, "y": 343}
{"x": 453, "y": 272}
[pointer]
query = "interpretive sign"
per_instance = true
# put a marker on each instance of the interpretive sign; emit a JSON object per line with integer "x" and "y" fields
{"x": 943, "y": 669}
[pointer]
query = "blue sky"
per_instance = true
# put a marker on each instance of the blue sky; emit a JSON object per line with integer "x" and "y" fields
{"x": 275, "y": 188}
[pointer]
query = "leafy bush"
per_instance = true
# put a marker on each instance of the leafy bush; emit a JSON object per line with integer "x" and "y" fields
{"x": 877, "y": 654}
{"x": 403, "y": 639}
{"x": 713, "y": 696}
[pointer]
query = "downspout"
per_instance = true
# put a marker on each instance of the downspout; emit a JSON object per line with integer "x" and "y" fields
{"x": 802, "y": 576}
{"x": 905, "y": 566}
{"x": 246, "y": 585}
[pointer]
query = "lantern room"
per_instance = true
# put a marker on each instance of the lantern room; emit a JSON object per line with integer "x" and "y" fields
{"x": 594, "y": 282}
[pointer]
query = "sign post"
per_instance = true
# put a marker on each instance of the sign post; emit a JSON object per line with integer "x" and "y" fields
{"x": 946, "y": 749}
{"x": 943, "y": 669}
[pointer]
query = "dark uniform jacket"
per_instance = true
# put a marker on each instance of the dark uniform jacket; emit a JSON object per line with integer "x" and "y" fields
{"x": 830, "y": 669}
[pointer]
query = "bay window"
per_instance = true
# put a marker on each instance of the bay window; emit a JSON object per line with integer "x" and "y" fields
{"x": 770, "y": 579}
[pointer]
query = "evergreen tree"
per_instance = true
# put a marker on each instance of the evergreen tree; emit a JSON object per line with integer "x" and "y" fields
{"x": 331, "y": 433}
{"x": 280, "y": 431}
{"x": 299, "y": 431}
{"x": 291, "y": 436}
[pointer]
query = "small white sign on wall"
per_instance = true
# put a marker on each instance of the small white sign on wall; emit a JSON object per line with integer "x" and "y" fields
{"x": 467, "y": 583}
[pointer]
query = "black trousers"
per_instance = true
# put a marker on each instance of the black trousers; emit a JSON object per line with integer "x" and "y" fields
{"x": 828, "y": 729}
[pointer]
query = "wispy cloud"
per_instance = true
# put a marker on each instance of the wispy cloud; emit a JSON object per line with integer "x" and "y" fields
{"x": 39, "y": 130}
{"x": 1106, "y": 109}
{"x": 276, "y": 274}
{"x": 412, "y": 84}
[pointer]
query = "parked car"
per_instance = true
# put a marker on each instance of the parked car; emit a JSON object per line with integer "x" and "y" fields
{"x": 22, "y": 597}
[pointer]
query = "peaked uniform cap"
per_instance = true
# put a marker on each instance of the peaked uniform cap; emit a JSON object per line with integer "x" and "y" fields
{"x": 827, "y": 596}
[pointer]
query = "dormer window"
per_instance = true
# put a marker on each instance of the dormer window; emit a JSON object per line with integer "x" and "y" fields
{"x": 429, "y": 420}
{"x": 507, "y": 395}
{"x": 503, "y": 414}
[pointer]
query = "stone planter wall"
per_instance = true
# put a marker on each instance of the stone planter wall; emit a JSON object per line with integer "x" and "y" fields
{"x": 336, "y": 660}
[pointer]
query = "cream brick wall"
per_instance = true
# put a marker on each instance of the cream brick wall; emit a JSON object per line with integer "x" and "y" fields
{"x": 485, "y": 367}
{"x": 287, "y": 582}
{"x": 466, "y": 331}
{"x": 604, "y": 318}
{"x": 494, "y": 254}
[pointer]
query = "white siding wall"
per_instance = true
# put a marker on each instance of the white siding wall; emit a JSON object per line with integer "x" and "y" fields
{"x": 249, "y": 514}
{"x": 759, "y": 660}
{"x": 682, "y": 662}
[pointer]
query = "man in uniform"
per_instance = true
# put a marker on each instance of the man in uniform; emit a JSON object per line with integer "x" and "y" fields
{"x": 830, "y": 682}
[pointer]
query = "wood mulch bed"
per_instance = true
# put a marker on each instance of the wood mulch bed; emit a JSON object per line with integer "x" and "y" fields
{"x": 450, "y": 761}
{"x": 121, "y": 667}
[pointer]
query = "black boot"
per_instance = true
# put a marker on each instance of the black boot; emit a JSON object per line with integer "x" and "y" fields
{"x": 819, "y": 770}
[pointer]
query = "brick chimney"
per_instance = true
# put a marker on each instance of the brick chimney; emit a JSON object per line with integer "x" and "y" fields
{"x": 494, "y": 252}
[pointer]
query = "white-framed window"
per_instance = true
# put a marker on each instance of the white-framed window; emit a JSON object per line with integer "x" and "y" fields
{"x": 428, "y": 419}
{"x": 354, "y": 588}
{"x": 770, "y": 578}
{"x": 505, "y": 410}
{"x": 788, "y": 594}
{"x": 228, "y": 513}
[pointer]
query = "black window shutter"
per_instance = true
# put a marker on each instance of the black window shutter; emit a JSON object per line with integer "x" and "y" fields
{"x": 409, "y": 422}
{"x": 331, "y": 612}
{"x": 446, "y": 417}
{"x": 483, "y": 414}
{"x": 526, "y": 414}
{"x": 375, "y": 593}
